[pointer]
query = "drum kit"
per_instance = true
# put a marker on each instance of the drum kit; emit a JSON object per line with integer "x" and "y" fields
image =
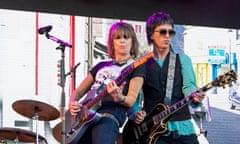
{"x": 37, "y": 111}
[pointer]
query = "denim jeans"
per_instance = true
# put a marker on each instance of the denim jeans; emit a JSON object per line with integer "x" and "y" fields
{"x": 105, "y": 131}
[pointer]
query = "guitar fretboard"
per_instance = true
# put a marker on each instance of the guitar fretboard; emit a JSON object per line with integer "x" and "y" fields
{"x": 178, "y": 105}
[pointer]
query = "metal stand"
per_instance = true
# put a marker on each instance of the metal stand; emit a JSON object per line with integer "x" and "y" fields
{"x": 63, "y": 76}
{"x": 35, "y": 117}
{"x": 62, "y": 105}
{"x": 200, "y": 115}
{"x": 73, "y": 70}
{"x": 63, "y": 80}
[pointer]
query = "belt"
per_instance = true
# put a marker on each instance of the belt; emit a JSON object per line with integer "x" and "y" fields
{"x": 108, "y": 115}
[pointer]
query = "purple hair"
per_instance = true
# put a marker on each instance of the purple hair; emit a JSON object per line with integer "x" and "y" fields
{"x": 155, "y": 20}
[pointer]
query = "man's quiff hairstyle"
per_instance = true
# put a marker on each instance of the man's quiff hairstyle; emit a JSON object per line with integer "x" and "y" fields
{"x": 155, "y": 20}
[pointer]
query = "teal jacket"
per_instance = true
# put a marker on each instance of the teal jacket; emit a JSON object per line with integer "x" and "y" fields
{"x": 184, "y": 127}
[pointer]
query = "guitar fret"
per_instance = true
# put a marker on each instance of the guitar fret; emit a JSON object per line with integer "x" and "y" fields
{"x": 185, "y": 101}
{"x": 161, "y": 115}
{"x": 175, "y": 107}
{"x": 166, "y": 113}
{"x": 128, "y": 70}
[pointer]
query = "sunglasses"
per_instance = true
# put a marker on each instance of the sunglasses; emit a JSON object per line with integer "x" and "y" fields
{"x": 164, "y": 32}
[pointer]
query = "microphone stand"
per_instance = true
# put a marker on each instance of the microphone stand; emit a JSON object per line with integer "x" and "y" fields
{"x": 73, "y": 70}
{"x": 61, "y": 47}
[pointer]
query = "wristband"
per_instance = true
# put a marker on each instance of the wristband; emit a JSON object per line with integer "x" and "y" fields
{"x": 122, "y": 99}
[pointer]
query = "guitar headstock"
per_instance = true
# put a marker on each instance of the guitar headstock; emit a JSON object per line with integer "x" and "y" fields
{"x": 224, "y": 79}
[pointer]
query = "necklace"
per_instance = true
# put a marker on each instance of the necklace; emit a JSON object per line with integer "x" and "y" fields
{"x": 123, "y": 60}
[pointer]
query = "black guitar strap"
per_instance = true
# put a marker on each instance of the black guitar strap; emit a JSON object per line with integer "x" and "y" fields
{"x": 170, "y": 78}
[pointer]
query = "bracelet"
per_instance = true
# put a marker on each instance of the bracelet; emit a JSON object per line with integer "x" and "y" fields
{"x": 122, "y": 99}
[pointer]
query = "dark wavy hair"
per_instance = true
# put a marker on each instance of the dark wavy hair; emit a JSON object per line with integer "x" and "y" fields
{"x": 125, "y": 29}
{"x": 155, "y": 20}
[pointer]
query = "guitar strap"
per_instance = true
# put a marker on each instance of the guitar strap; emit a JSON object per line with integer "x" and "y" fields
{"x": 170, "y": 78}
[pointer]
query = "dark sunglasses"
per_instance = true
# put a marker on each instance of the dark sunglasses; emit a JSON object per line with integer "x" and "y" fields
{"x": 165, "y": 31}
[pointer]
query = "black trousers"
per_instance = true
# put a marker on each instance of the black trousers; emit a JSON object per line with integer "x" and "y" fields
{"x": 174, "y": 138}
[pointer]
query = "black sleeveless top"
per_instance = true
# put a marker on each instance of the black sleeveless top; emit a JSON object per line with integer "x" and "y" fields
{"x": 154, "y": 87}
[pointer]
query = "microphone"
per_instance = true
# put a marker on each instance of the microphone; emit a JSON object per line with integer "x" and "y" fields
{"x": 45, "y": 29}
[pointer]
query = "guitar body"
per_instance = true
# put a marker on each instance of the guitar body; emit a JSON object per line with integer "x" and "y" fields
{"x": 79, "y": 127}
{"x": 154, "y": 125}
{"x": 148, "y": 130}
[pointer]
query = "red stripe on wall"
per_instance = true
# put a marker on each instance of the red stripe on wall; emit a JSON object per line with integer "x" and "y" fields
{"x": 72, "y": 52}
{"x": 36, "y": 57}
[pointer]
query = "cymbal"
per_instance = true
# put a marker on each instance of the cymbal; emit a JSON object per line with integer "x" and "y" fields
{"x": 20, "y": 135}
{"x": 31, "y": 108}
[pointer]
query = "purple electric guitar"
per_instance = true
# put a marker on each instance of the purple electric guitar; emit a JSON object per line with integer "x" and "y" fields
{"x": 78, "y": 126}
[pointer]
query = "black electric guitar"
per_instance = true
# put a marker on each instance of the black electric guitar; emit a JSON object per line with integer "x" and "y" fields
{"x": 78, "y": 126}
{"x": 154, "y": 124}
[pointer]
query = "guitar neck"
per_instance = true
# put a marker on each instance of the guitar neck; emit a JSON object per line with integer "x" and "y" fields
{"x": 178, "y": 105}
{"x": 220, "y": 81}
{"x": 118, "y": 81}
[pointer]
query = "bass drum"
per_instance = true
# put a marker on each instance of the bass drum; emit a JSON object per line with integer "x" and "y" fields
{"x": 57, "y": 130}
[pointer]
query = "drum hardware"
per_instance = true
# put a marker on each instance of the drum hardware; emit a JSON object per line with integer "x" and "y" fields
{"x": 3, "y": 140}
{"x": 36, "y": 110}
{"x": 19, "y": 135}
